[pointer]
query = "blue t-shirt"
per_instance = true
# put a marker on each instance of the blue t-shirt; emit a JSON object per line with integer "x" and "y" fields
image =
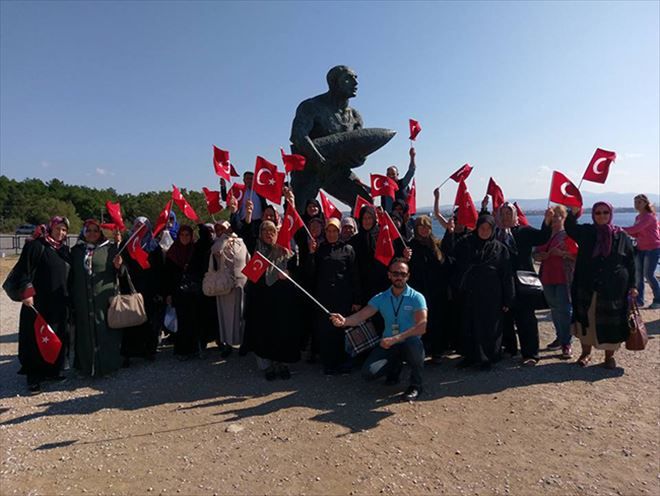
{"x": 405, "y": 306}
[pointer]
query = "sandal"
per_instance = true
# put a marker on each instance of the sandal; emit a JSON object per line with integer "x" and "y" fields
{"x": 584, "y": 359}
{"x": 609, "y": 363}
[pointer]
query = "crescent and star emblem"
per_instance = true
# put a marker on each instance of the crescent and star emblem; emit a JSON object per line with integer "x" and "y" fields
{"x": 259, "y": 182}
{"x": 563, "y": 187}
{"x": 258, "y": 265}
{"x": 290, "y": 219}
{"x": 376, "y": 185}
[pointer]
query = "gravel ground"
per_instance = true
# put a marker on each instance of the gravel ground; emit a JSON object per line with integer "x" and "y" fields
{"x": 215, "y": 426}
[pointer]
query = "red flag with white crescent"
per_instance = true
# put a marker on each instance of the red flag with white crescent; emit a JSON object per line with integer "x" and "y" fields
{"x": 212, "y": 200}
{"x": 329, "y": 208}
{"x": 161, "y": 222}
{"x": 412, "y": 199}
{"x": 359, "y": 203}
{"x": 183, "y": 204}
{"x": 221, "y": 163}
{"x": 383, "y": 186}
{"x": 293, "y": 162}
{"x": 415, "y": 128}
{"x": 47, "y": 341}
{"x": 522, "y": 219}
{"x": 462, "y": 173}
{"x": 238, "y": 191}
{"x": 496, "y": 194}
{"x": 467, "y": 214}
{"x": 384, "y": 247}
{"x": 256, "y": 267}
{"x": 563, "y": 191}
{"x": 290, "y": 225}
{"x": 135, "y": 250}
{"x": 599, "y": 166}
{"x": 268, "y": 181}
{"x": 384, "y": 219}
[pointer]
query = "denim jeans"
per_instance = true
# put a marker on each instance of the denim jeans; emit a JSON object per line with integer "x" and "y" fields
{"x": 646, "y": 261}
{"x": 389, "y": 361}
{"x": 557, "y": 296}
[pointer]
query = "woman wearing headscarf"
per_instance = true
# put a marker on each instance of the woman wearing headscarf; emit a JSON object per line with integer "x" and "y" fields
{"x": 646, "y": 232}
{"x": 485, "y": 286}
{"x": 142, "y": 340}
{"x": 520, "y": 240}
{"x": 373, "y": 274}
{"x": 231, "y": 255}
{"x": 272, "y": 330}
{"x": 177, "y": 262}
{"x": 172, "y": 225}
{"x": 331, "y": 265}
{"x": 93, "y": 283}
{"x": 604, "y": 278}
{"x": 429, "y": 276}
{"x": 41, "y": 277}
{"x": 206, "y": 312}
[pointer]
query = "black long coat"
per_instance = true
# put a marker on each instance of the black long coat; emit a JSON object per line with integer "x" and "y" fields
{"x": 46, "y": 270}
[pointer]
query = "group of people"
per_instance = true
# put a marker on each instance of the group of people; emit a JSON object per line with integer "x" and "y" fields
{"x": 466, "y": 293}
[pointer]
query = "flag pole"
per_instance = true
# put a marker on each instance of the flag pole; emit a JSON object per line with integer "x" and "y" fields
{"x": 298, "y": 286}
{"x": 130, "y": 238}
{"x": 443, "y": 182}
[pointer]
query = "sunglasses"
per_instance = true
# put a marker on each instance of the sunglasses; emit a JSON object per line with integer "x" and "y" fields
{"x": 398, "y": 274}
{"x": 602, "y": 212}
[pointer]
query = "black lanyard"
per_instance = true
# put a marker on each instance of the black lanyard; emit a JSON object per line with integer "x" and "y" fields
{"x": 396, "y": 310}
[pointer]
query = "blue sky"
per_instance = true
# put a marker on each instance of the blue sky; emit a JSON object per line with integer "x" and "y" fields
{"x": 132, "y": 95}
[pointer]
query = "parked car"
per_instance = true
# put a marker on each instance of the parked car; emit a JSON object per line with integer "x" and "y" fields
{"x": 26, "y": 229}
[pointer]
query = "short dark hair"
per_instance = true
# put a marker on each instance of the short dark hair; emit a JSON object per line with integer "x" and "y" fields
{"x": 398, "y": 260}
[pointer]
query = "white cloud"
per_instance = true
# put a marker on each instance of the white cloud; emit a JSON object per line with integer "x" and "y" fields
{"x": 100, "y": 171}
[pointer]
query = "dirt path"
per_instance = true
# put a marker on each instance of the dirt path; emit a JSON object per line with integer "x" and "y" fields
{"x": 215, "y": 426}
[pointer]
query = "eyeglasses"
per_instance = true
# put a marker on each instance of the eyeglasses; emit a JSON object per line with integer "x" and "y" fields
{"x": 398, "y": 274}
{"x": 602, "y": 212}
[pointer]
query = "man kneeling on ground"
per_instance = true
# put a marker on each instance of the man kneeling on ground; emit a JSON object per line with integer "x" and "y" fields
{"x": 404, "y": 311}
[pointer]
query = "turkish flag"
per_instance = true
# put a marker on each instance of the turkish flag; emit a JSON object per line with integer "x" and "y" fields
{"x": 183, "y": 204}
{"x": 522, "y": 219}
{"x": 384, "y": 247}
{"x": 232, "y": 171}
{"x": 412, "y": 199}
{"x": 161, "y": 221}
{"x": 212, "y": 201}
{"x": 563, "y": 191}
{"x": 383, "y": 186}
{"x": 290, "y": 225}
{"x": 238, "y": 191}
{"x": 221, "y": 163}
{"x": 599, "y": 167}
{"x": 47, "y": 341}
{"x": 293, "y": 162}
{"x": 135, "y": 249}
{"x": 256, "y": 267}
{"x": 415, "y": 128}
{"x": 359, "y": 203}
{"x": 462, "y": 173}
{"x": 114, "y": 211}
{"x": 268, "y": 181}
{"x": 496, "y": 194}
{"x": 329, "y": 209}
{"x": 467, "y": 213}
{"x": 384, "y": 219}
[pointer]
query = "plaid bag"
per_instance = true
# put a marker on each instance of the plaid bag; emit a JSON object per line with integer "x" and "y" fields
{"x": 361, "y": 338}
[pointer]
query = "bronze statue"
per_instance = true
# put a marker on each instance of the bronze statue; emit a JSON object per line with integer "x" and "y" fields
{"x": 330, "y": 135}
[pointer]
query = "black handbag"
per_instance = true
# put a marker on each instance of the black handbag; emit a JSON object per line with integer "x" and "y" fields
{"x": 529, "y": 290}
